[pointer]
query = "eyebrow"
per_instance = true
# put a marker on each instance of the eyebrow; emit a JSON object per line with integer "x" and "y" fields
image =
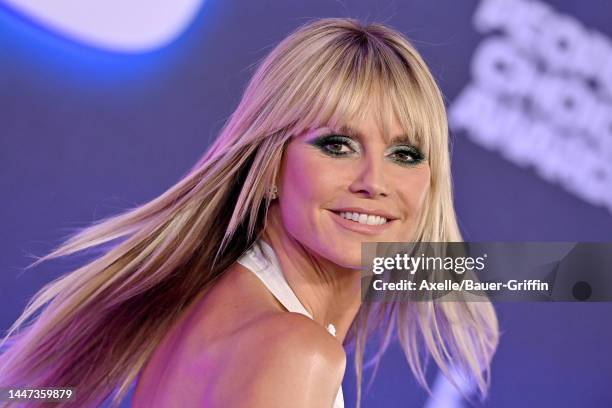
{"x": 349, "y": 131}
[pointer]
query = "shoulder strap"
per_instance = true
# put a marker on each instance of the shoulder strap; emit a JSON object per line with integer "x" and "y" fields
{"x": 262, "y": 261}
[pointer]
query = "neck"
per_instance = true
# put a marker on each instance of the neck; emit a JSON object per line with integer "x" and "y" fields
{"x": 329, "y": 292}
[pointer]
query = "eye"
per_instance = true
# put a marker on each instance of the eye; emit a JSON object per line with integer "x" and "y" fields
{"x": 408, "y": 155}
{"x": 336, "y": 145}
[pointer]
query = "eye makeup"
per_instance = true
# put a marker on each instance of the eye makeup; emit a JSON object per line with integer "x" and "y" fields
{"x": 333, "y": 145}
{"x": 338, "y": 145}
{"x": 407, "y": 154}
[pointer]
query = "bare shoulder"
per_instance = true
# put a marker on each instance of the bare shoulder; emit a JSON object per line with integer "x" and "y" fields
{"x": 293, "y": 332}
{"x": 238, "y": 347}
{"x": 282, "y": 359}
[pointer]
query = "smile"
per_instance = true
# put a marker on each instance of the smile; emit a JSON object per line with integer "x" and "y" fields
{"x": 362, "y": 223}
{"x": 364, "y": 218}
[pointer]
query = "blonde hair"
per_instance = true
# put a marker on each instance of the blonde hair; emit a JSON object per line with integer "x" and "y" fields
{"x": 99, "y": 324}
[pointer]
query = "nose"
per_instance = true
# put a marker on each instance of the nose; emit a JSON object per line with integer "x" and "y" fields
{"x": 370, "y": 181}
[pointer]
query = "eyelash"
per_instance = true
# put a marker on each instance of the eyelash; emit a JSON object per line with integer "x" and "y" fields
{"x": 324, "y": 141}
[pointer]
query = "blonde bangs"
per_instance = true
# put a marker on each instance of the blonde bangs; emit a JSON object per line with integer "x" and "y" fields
{"x": 360, "y": 75}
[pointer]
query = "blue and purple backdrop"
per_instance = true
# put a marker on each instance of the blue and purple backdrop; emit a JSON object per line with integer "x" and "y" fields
{"x": 95, "y": 118}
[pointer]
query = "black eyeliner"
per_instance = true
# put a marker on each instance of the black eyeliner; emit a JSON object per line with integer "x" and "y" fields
{"x": 417, "y": 155}
{"x": 322, "y": 141}
{"x": 333, "y": 138}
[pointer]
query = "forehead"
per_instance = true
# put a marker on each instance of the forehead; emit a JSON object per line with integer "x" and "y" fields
{"x": 360, "y": 109}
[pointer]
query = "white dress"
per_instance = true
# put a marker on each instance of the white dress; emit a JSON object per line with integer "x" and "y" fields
{"x": 272, "y": 277}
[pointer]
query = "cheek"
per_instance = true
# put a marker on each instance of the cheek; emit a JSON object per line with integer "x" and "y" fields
{"x": 414, "y": 190}
{"x": 306, "y": 184}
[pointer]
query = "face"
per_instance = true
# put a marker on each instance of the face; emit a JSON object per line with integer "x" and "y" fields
{"x": 339, "y": 188}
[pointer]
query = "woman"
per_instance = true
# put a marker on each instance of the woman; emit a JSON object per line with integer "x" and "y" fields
{"x": 340, "y": 138}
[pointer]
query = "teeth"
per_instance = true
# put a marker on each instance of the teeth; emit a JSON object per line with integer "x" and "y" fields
{"x": 364, "y": 218}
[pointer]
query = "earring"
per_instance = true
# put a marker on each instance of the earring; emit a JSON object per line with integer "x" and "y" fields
{"x": 272, "y": 192}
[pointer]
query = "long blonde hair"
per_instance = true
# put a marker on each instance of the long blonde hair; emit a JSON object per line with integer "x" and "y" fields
{"x": 98, "y": 325}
